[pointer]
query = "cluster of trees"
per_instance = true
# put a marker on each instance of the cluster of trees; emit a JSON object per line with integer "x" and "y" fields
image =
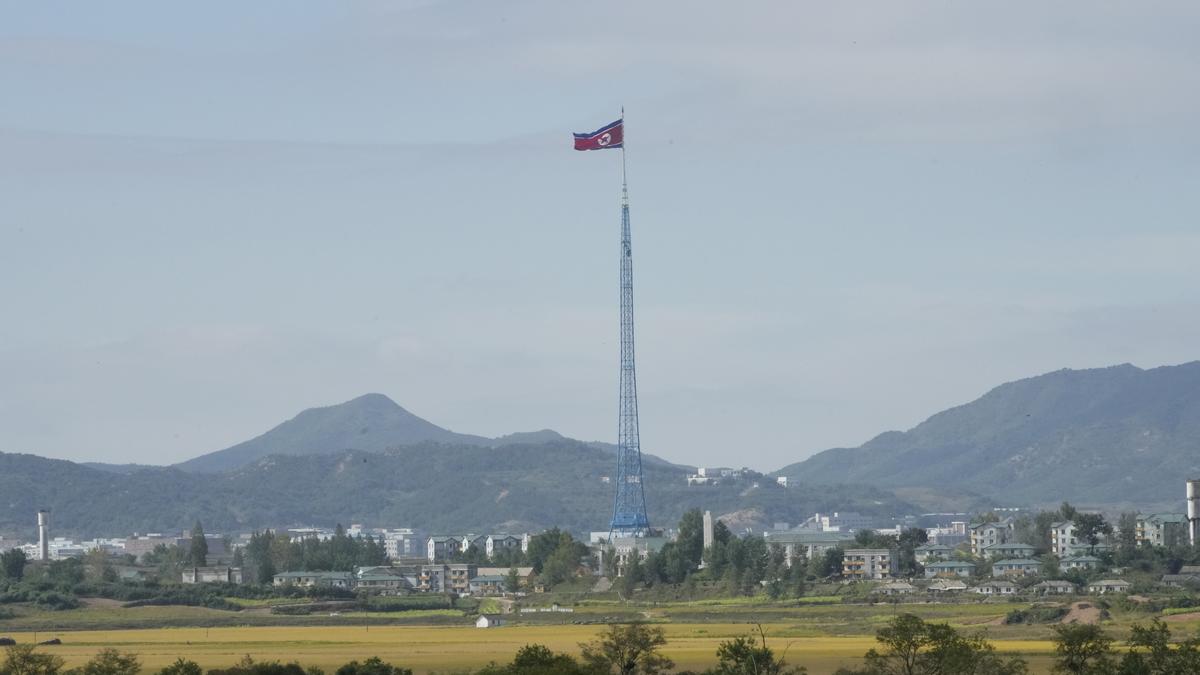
{"x": 268, "y": 553}
{"x": 26, "y": 660}
{"x": 554, "y": 555}
{"x": 1085, "y": 649}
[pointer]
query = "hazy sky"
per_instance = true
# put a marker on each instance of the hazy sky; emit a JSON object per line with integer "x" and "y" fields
{"x": 847, "y": 216}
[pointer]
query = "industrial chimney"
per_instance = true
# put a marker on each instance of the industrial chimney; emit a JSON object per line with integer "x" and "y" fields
{"x": 1193, "y": 511}
{"x": 44, "y": 531}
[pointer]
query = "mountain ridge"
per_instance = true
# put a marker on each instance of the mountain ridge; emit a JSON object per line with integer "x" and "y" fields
{"x": 371, "y": 422}
{"x": 1103, "y": 435}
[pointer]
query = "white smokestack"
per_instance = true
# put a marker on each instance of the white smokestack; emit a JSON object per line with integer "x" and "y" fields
{"x": 44, "y": 533}
{"x": 1193, "y": 511}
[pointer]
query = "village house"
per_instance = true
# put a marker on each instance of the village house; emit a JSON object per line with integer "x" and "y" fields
{"x": 308, "y": 579}
{"x": 382, "y": 579}
{"x": 942, "y": 586}
{"x": 927, "y": 553}
{"x": 488, "y": 621}
{"x": 1105, "y": 586}
{"x": 895, "y": 588}
{"x": 868, "y": 563}
{"x": 488, "y": 584}
{"x": 996, "y": 588}
{"x": 1079, "y": 562}
{"x": 212, "y": 575}
{"x": 1008, "y": 550}
{"x": 524, "y": 574}
{"x": 1015, "y": 567}
{"x": 1055, "y": 587}
{"x": 949, "y": 568}
{"x": 1181, "y": 580}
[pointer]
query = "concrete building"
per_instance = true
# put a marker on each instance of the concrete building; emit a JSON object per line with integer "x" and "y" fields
{"x": 1015, "y": 567}
{"x": 307, "y": 579}
{"x": 842, "y": 521}
{"x": 446, "y": 578}
{"x": 808, "y": 543}
{"x": 443, "y": 546}
{"x": 989, "y": 534}
{"x": 488, "y": 621}
{"x": 212, "y": 575}
{"x": 1062, "y": 538}
{"x": 1162, "y": 529}
{"x": 868, "y": 563}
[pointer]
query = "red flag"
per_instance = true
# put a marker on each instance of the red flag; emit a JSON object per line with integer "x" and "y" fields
{"x": 604, "y": 138}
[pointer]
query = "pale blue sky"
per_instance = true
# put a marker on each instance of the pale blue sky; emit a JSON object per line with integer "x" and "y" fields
{"x": 846, "y": 218}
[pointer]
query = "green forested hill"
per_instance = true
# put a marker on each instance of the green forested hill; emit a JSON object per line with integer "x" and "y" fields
{"x": 1102, "y": 436}
{"x": 430, "y": 486}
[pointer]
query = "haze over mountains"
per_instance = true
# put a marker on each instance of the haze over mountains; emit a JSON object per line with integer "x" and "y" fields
{"x": 1102, "y": 436}
{"x": 1108, "y": 436}
{"x": 372, "y": 422}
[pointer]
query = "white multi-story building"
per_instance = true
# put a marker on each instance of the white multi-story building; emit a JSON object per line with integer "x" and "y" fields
{"x": 868, "y": 563}
{"x": 989, "y": 534}
{"x": 1062, "y": 538}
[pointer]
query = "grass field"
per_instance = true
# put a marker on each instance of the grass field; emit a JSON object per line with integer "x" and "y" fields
{"x": 819, "y": 636}
{"x": 442, "y": 649}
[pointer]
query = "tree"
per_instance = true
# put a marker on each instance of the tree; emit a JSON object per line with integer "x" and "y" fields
{"x": 1156, "y": 655}
{"x": 537, "y": 660}
{"x": 910, "y": 646}
{"x": 182, "y": 666}
{"x": 512, "y": 580}
{"x": 112, "y": 662}
{"x": 691, "y": 538}
{"x": 1089, "y": 527}
{"x": 744, "y": 656}
{"x": 199, "y": 548}
{"x": 12, "y": 564}
{"x": 97, "y": 566}
{"x": 630, "y": 649}
{"x": 1083, "y": 649}
{"x": 1067, "y": 512}
{"x": 372, "y": 666}
{"x": 1127, "y": 534}
{"x": 24, "y": 660}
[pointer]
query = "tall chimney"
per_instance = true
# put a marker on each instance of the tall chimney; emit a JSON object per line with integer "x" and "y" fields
{"x": 44, "y": 533}
{"x": 1193, "y": 511}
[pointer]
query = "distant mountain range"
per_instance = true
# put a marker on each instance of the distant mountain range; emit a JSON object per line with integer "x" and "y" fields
{"x": 1118, "y": 435}
{"x": 433, "y": 486}
{"x": 372, "y": 422}
{"x": 1109, "y": 436}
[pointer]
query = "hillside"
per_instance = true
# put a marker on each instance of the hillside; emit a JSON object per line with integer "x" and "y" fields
{"x": 431, "y": 486}
{"x": 1101, "y": 436}
{"x": 372, "y": 422}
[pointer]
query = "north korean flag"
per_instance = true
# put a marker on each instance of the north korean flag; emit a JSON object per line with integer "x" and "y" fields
{"x": 604, "y": 138}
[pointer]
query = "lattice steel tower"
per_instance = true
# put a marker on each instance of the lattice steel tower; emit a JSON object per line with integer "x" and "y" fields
{"x": 629, "y": 504}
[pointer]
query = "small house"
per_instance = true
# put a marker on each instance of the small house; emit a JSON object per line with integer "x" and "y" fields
{"x": 1105, "y": 586}
{"x": 488, "y": 621}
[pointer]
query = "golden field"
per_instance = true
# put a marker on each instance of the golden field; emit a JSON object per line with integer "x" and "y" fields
{"x": 447, "y": 649}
